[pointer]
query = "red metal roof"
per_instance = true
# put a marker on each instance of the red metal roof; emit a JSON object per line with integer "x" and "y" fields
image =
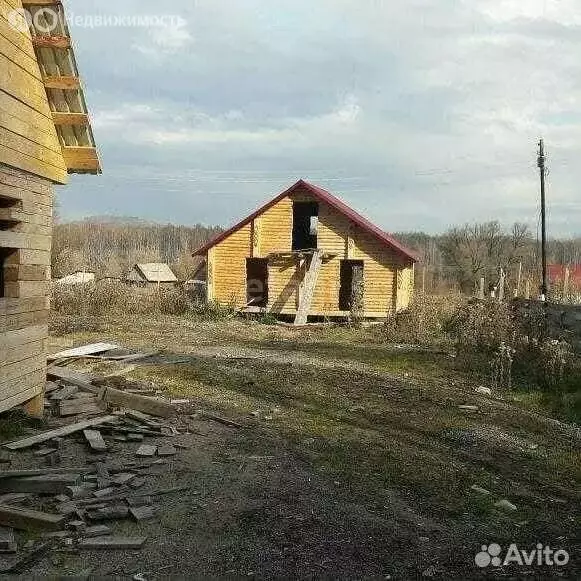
{"x": 556, "y": 272}
{"x": 328, "y": 198}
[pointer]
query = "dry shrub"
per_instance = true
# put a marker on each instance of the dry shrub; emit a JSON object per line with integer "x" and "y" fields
{"x": 492, "y": 336}
{"x": 481, "y": 326}
{"x": 113, "y": 298}
{"x": 424, "y": 322}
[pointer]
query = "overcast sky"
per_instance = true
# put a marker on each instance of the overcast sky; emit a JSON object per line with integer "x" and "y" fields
{"x": 419, "y": 114}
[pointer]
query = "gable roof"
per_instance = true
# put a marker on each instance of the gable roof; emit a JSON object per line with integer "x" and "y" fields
{"x": 328, "y": 198}
{"x": 156, "y": 272}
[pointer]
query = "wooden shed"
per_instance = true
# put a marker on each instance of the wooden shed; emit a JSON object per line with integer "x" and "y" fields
{"x": 306, "y": 253}
{"x": 151, "y": 274}
{"x": 44, "y": 135}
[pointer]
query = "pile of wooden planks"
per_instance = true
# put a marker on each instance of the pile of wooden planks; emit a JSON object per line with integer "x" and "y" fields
{"x": 73, "y": 393}
{"x": 76, "y": 505}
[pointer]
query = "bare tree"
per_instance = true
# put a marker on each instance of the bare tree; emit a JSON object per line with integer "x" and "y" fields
{"x": 480, "y": 250}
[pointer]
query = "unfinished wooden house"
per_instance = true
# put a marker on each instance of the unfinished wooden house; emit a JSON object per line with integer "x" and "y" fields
{"x": 44, "y": 135}
{"x": 306, "y": 253}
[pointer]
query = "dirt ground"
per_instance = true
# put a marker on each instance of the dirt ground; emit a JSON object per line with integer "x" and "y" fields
{"x": 354, "y": 460}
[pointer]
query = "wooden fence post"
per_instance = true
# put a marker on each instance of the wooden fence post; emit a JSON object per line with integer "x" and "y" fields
{"x": 481, "y": 289}
{"x": 501, "y": 286}
{"x": 518, "y": 281}
{"x": 565, "y": 297}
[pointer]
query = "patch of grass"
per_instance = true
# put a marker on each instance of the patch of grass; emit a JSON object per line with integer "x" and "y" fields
{"x": 358, "y": 430}
{"x": 14, "y": 423}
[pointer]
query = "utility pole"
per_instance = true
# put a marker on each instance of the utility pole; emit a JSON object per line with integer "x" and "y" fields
{"x": 542, "y": 171}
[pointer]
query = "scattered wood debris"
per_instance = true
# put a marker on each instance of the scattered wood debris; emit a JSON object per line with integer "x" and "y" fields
{"x": 91, "y": 349}
{"x": 78, "y": 502}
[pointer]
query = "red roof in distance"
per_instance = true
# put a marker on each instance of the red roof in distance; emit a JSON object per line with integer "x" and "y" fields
{"x": 556, "y": 272}
{"x": 323, "y": 196}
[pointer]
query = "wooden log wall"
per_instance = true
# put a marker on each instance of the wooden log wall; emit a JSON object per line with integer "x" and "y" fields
{"x": 28, "y": 137}
{"x": 25, "y": 242}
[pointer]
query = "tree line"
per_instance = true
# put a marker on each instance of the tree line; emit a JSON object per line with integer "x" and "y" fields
{"x": 461, "y": 256}
{"x": 454, "y": 260}
{"x": 110, "y": 247}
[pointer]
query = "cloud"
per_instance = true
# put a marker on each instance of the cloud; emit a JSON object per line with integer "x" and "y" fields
{"x": 420, "y": 114}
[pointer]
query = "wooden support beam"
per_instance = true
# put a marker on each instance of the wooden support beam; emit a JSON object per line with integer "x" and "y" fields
{"x": 307, "y": 288}
{"x": 81, "y": 159}
{"x": 64, "y": 83}
{"x": 51, "y": 42}
{"x": 70, "y": 118}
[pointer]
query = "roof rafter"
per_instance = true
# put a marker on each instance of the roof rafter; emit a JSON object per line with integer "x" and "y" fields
{"x": 65, "y": 83}
{"x": 69, "y": 118}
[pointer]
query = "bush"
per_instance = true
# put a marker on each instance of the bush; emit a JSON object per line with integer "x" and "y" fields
{"x": 481, "y": 326}
{"x": 111, "y": 298}
{"x": 496, "y": 338}
{"x": 424, "y": 322}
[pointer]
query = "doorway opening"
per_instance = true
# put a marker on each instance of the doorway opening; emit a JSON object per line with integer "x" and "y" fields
{"x": 257, "y": 282}
{"x": 351, "y": 287}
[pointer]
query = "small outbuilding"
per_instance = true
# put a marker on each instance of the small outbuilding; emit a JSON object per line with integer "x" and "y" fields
{"x": 151, "y": 274}
{"x": 306, "y": 253}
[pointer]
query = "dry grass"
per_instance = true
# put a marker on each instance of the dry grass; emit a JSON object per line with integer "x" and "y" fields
{"x": 86, "y": 307}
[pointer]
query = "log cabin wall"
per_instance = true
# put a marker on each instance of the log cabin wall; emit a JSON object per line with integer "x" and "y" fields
{"x": 25, "y": 242}
{"x": 31, "y": 161}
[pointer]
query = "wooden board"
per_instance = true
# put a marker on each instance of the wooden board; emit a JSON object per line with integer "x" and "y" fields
{"x": 308, "y": 288}
{"x": 95, "y": 440}
{"x": 111, "y": 543}
{"x": 141, "y": 403}
{"x": 61, "y": 82}
{"x": 24, "y": 519}
{"x": 59, "y": 432}
{"x": 43, "y": 484}
{"x": 73, "y": 407}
